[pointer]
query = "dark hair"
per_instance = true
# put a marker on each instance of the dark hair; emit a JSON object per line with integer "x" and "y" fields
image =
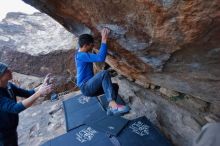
{"x": 85, "y": 39}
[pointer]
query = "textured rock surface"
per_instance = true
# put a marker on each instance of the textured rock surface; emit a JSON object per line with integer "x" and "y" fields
{"x": 36, "y": 45}
{"x": 33, "y": 34}
{"x": 168, "y": 93}
{"x": 27, "y": 82}
{"x": 170, "y": 43}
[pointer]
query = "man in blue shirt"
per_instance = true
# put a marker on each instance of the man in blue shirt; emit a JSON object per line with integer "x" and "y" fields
{"x": 94, "y": 85}
{"x": 10, "y": 108}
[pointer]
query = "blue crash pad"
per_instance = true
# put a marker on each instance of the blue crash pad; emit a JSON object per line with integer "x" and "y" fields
{"x": 88, "y": 125}
{"x": 81, "y": 136}
{"x": 77, "y": 109}
{"x": 111, "y": 125}
{"x": 141, "y": 132}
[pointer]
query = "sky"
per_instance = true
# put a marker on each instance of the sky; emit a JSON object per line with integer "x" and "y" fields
{"x": 14, "y": 6}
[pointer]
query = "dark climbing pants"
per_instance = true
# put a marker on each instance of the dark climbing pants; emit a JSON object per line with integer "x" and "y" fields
{"x": 100, "y": 84}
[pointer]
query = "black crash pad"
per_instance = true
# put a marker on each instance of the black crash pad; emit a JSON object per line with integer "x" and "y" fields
{"x": 81, "y": 136}
{"x": 141, "y": 132}
{"x": 78, "y": 108}
{"x": 107, "y": 124}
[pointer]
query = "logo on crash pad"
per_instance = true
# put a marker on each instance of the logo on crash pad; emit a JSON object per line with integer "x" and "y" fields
{"x": 84, "y": 99}
{"x": 111, "y": 127}
{"x": 85, "y": 135}
{"x": 140, "y": 128}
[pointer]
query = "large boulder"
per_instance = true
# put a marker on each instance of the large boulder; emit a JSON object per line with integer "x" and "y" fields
{"x": 170, "y": 43}
{"x": 36, "y": 45}
{"x": 35, "y": 34}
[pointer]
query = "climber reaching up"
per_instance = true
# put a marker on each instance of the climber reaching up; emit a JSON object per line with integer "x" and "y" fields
{"x": 10, "y": 108}
{"x": 95, "y": 85}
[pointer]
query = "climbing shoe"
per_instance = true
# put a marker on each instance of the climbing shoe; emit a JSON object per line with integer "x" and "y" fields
{"x": 118, "y": 110}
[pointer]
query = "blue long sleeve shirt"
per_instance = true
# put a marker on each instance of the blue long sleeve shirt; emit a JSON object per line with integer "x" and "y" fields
{"x": 84, "y": 63}
{"x": 9, "y": 108}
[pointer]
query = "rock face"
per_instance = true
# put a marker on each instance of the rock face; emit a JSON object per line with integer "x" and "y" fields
{"x": 35, "y": 34}
{"x": 170, "y": 43}
{"x": 26, "y": 82}
{"x": 36, "y": 45}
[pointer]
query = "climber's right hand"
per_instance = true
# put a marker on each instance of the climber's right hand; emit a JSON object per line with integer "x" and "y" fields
{"x": 105, "y": 33}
